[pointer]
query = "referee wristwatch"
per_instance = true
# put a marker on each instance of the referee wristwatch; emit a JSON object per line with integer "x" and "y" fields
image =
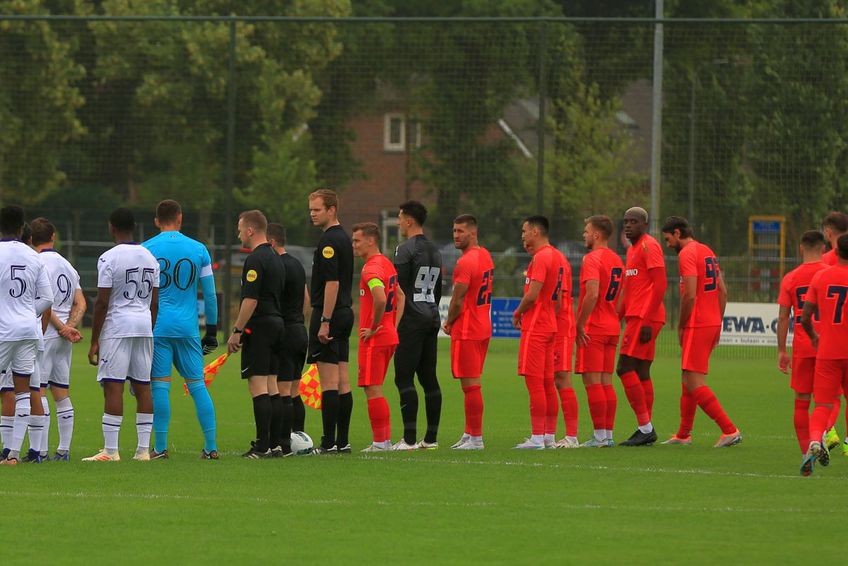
{"x": 325, "y": 319}
{"x": 237, "y": 330}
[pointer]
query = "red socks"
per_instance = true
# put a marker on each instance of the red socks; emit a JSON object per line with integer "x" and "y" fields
{"x": 710, "y": 405}
{"x": 818, "y": 423}
{"x": 551, "y": 407}
{"x": 648, "y": 389}
{"x": 538, "y": 403}
{"x": 568, "y": 398}
{"x": 802, "y": 423}
{"x": 473, "y": 410}
{"x": 688, "y": 406}
{"x": 834, "y": 414}
{"x": 612, "y": 402}
{"x": 636, "y": 397}
{"x": 597, "y": 405}
{"x": 378, "y": 413}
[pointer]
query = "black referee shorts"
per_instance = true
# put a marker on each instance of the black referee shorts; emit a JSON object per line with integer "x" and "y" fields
{"x": 338, "y": 349}
{"x": 262, "y": 342}
{"x": 293, "y": 355}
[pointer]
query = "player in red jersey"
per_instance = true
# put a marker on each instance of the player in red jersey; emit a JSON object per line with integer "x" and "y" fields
{"x": 563, "y": 355}
{"x": 793, "y": 290}
{"x": 536, "y": 317}
{"x": 834, "y": 225}
{"x": 703, "y": 298}
{"x": 469, "y": 324}
{"x": 381, "y": 303}
{"x": 827, "y": 296}
{"x": 644, "y": 314}
{"x": 598, "y": 327}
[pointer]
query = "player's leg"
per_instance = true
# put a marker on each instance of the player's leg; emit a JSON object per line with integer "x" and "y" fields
{"x": 827, "y": 386}
{"x": 342, "y": 341}
{"x": 113, "y": 412}
{"x": 551, "y": 398}
{"x": 256, "y": 368}
{"x": 430, "y": 384}
{"x": 258, "y": 388}
{"x": 563, "y": 354}
{"x": 643, "y": 370}
{"x": 59, "y": 352}
{"x": 626, "y": 371}
{"x": 43, "y": 450}
{"x": 298, "y": 408}
{"x": 138, "y": 372}
{"x": 531, "y": 366}
{"x": 407, "y": 359}
{"x": 276, "y": 440}
{"x": 373, "y": 363}
{"x": 284, "y": 388}
{"x": 7, "y": 412}
{"x": 801, "y": 382}
{"x": 20, "y": 355}
{"x": 298, "y": 357}
{"x": 35, "y": 428}
{"x": 164, "y": 357}
{"x": 328, "y": 375}
{"x": 590, "y": 364}
{"x": 467, "y": 359}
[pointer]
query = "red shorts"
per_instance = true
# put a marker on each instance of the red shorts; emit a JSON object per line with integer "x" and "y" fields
{"x": 563, "y": 352}
{"x": 630, "y": 343}
{"x": 373, "y": 363}
{"x": 803, "y": 372}
{"x": 467, "y": 357}
{"x": 831, "y": 380}
{"x": 598, "y": 355}
{"x": 698, "y": 344}
{"x": 536, "y": 355}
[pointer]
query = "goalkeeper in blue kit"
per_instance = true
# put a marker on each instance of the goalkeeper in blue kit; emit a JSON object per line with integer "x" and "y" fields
{"x": 183, "y": 262}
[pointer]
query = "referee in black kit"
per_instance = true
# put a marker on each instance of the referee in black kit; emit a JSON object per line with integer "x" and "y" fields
{"x": 419, "y": 267}
{"x": 332, "y": 320}
{"x": 293, "y": 354}
{"x": 259, "y": 328}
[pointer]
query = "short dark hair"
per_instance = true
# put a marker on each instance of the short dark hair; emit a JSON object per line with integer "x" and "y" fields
{"x": 842, "y": 246}
{"x": 673, "y": 223}
{"x": 601, "y": 222}
{"x": 11, "y": 220}
{"x": 540, "y": 222}
{"x": 812, "y": 239}
{"x": 167, "y": 211}
{"x": 277, "y": 232}
{"x": 42, "y": 231}
{"x": 26, "y": 234}
{"x": 415, "y": 210}
{"x": 468, "y": 219}
{"x": 255, "y": 219}
{"x": 122, "y": 220}
{"x": 836, "y": 221}
{"x": 368, "y": 229}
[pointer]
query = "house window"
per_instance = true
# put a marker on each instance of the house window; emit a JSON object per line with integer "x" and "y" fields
{"x": 394, "y": 132}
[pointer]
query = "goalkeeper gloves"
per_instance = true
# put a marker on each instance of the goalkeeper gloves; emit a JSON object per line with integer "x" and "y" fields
{"x": 210, "y": 341}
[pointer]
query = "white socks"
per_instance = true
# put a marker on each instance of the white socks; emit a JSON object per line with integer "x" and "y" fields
{"x": 111, "y": 430}
{"x": 65, "y": 422}
{"x": 143, "y": 426}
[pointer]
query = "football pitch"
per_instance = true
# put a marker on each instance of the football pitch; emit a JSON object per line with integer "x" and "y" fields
{"x": 660, "y": 504}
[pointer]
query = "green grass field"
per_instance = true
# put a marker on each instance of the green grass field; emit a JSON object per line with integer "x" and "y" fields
{"x": 660, "y": 504}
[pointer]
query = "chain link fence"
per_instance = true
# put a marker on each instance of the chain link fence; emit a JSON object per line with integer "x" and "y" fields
{"x": 498, "y": 117}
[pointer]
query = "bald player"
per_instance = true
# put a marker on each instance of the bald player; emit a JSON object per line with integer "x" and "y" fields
{"x": 641, "y": 303}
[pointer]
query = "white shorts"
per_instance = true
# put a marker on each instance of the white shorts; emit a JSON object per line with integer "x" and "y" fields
{"x": 54, "y": 367}
{"x": 17, "y": 357}
{"x": 125, "y": 358}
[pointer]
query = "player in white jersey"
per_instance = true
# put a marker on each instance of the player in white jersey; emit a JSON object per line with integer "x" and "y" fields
{"x": 122, "y": 334}
{"x": 54, "y": 365}
{"x": 25, "y": 293}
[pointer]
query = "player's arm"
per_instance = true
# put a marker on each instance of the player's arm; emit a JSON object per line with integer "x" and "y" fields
{"x": 527, "y": 301}
{"x": 590, "y": 299}
{"x": 455, "y": 307}
{"x": 378, "y": 295}
{"x": 331, "y": 294}
{"x": 45, "y": 319}
{"x": 248, "y": 306}
{"x": 101, "y": 305}
{"x": 687, "y": 302}
{"x": 722, "y": 295}
{"x": 307, "y": 304}
{"x": 783, "y": 360}
{"x": 401, "y": 305}
{"x": 210, "y": 305}
{"x": 807, "y": 320}
{"x": 68, "y": 329}
{"x": 154, "y": 306}
{"x": 659, "y": 283}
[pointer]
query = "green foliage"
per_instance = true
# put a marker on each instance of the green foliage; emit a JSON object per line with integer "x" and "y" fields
{"x": 38, "y": 104}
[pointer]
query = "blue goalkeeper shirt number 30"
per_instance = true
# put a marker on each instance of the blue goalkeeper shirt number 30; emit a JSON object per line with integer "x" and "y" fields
{"x": 183, "y": 263}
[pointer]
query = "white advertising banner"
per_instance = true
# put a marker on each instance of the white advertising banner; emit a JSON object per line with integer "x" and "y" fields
{"x": 751, "y": 324}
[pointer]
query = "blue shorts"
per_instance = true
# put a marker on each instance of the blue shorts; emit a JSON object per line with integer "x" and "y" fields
{"x": 184, "y": 353}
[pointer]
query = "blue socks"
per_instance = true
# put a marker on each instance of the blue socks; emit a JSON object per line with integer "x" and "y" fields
{"x": 205, "y": 412}
{"x": 161, "y": 391}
